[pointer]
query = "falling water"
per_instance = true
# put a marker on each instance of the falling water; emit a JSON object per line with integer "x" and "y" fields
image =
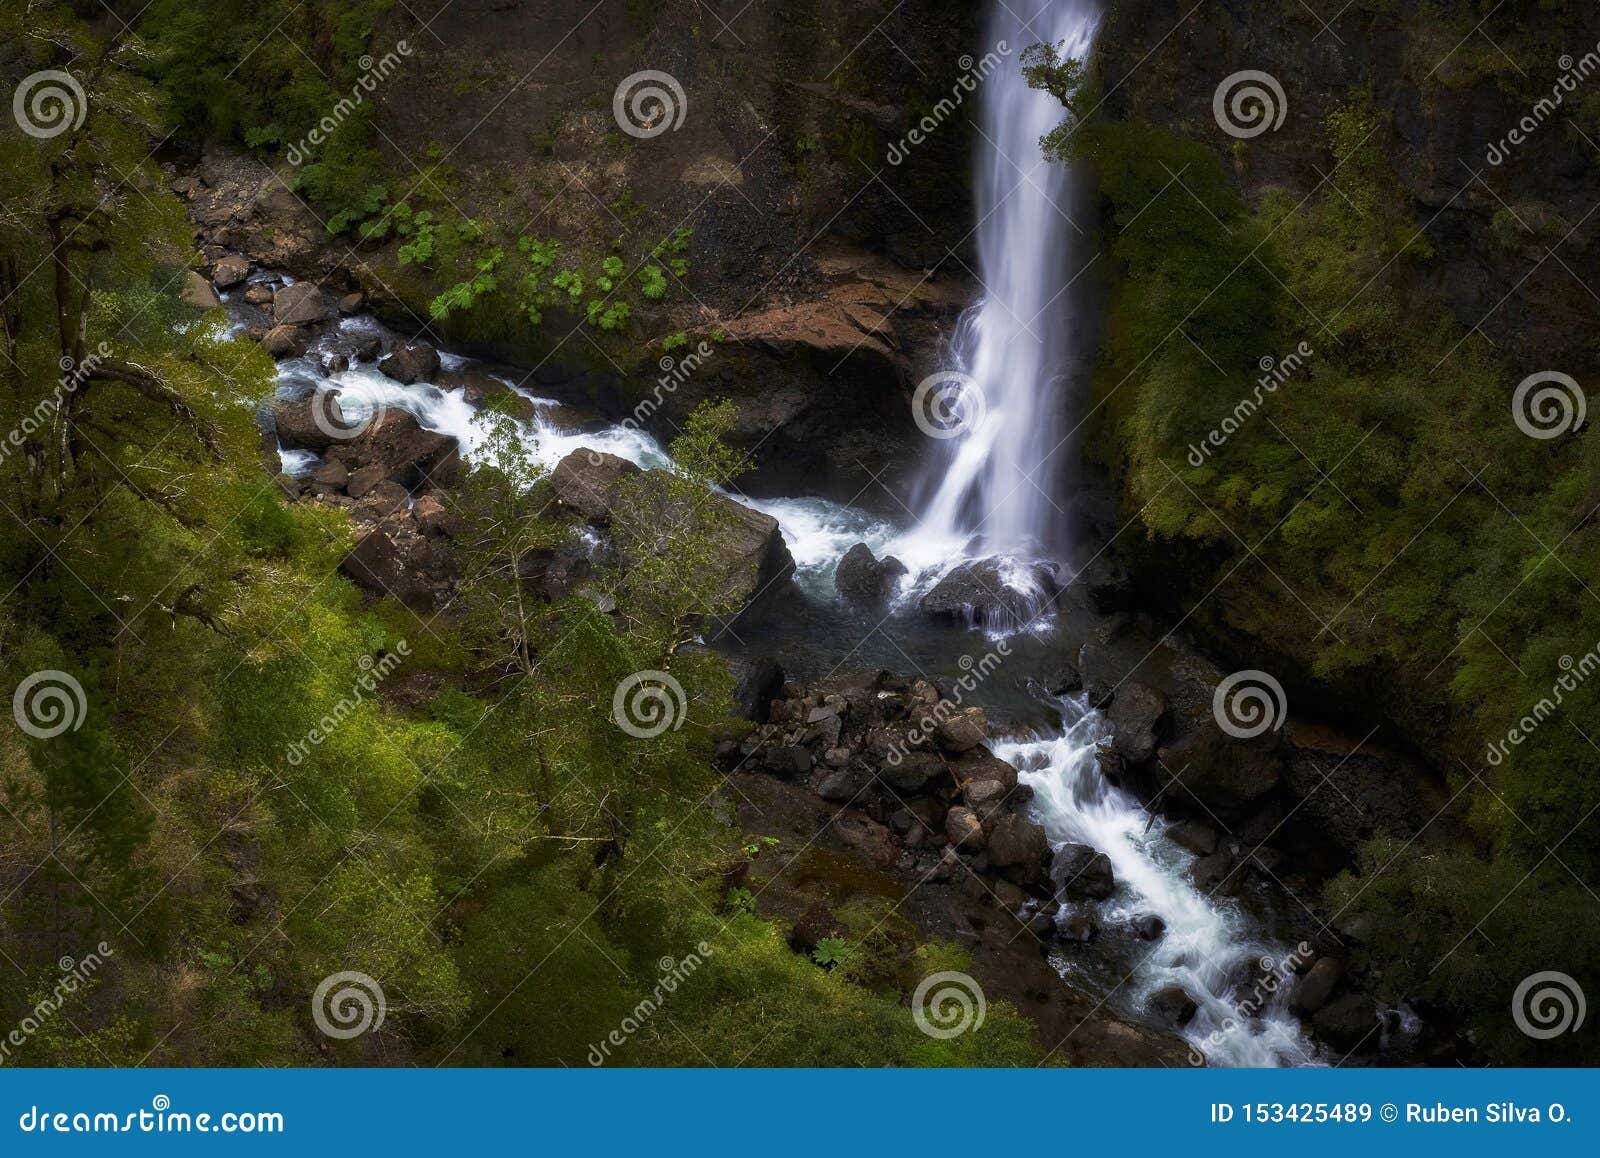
{"x": 992, "y": 489}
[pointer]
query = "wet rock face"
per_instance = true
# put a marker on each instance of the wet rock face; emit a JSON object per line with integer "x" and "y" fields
{"x": 864, "y": 579}
{"x": 410, "y": 363}
{"x": 982, "y": 594}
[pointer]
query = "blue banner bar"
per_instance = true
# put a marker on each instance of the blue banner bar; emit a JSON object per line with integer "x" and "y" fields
{"x": 806, "y": 1113}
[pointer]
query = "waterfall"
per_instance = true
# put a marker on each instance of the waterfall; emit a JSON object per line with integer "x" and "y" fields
{"x": 991, "y": 490}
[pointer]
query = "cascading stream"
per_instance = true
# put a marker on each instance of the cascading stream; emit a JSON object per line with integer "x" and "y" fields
{"x": 991, "y": 496}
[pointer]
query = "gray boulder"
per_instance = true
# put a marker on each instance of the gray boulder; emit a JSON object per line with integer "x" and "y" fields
{"x": 864, "y": 579}
{"x": 301, "y": 304}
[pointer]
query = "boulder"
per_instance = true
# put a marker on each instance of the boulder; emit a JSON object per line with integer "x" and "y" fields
{"x": 229, "y": 271}
{"x": 198, "y": 293}
{"x": 1348, "y": 1022}
{"x": 1078, "y": 928}
{"x": 962, "y": 829}
{"x": 586, "y": 481}
{"x": 912, "y": 772}
{"x": 434, "y": 518}
{"x": 789, "y": 760}
{"x": 385, "y": 499}
{"x": 331, "y": 474}
{"x": 1015, "y": 842}
{"x": 1198, "y": 838}
{"x": 351, "y": 304}
{"x": 1080, "y": 871}
{"x": 379, "y": 565}
{"x": 1313, "y": 990}
{"x": 961, "y": 731}
{"x": 1227, "y": 777}
{"x": 284, "y": 341}
{"x": 865, "y": 580}
{"x": 301, "y": 304}
{"x": 1136, "y": 715}
{"x": 1100, "y": 673}
{"x": 983, "y": 594}
{"x": 296, "y": 420}
{"x": 411, "y": 363}
{"x": 1149, "y": 927}
{"x": 409, "y": 454}
{"x": 1212, "y": 872}
{"x": 258, "y": 294}
{"x": 1173, "y": 1005}
{"x": 364, "y": 478}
